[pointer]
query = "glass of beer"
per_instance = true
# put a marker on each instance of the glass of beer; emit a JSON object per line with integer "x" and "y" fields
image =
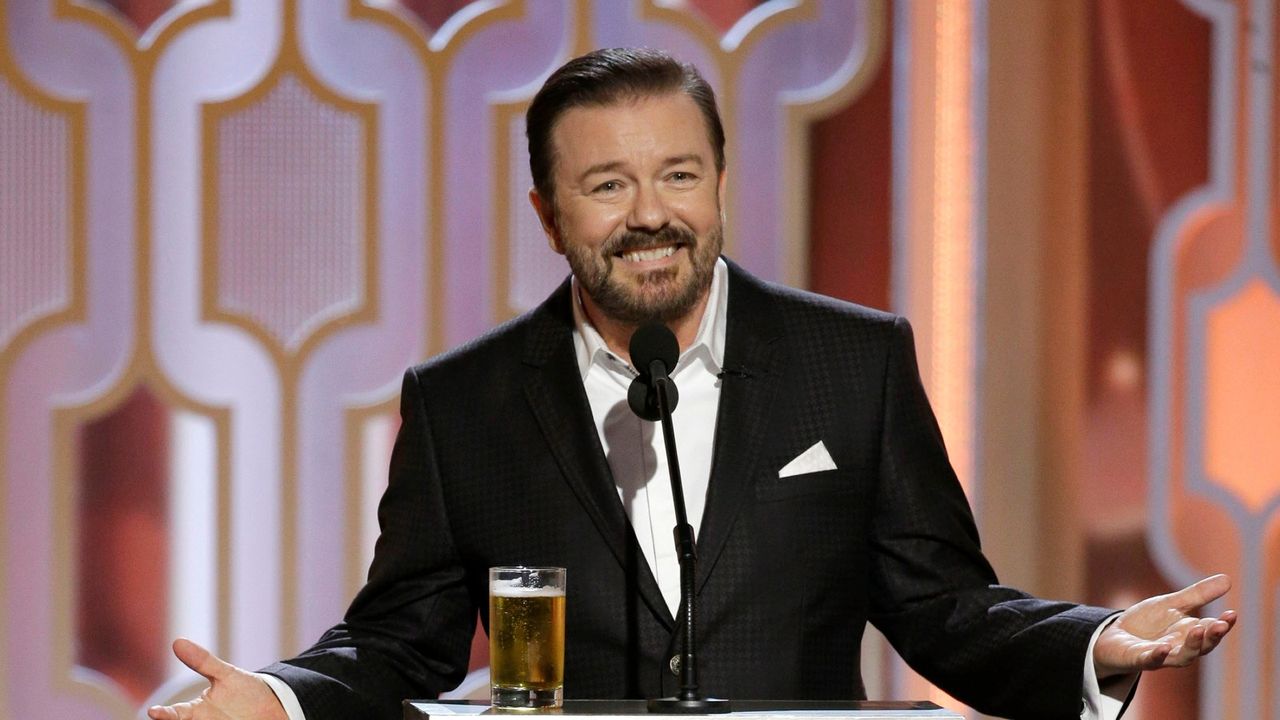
{"x": 526, "y": 637}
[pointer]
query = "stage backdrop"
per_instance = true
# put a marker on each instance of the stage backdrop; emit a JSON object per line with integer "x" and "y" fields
{"x": 227, "y": 226}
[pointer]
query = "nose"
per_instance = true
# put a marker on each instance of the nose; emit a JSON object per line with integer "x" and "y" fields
{"x": 649, "y": 211}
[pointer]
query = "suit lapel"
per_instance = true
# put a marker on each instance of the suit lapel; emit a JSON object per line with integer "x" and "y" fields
{"x": 558, "y": 400}
{"x": 747, "y": 388}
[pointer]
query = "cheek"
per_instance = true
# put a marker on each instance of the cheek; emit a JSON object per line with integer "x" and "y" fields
{"x": 591, "y": 228}
{"x": 701, "y": 219}
{"x": 699, "y": 209}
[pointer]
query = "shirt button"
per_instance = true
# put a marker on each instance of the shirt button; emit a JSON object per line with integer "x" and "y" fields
{"x": 674, "y": 664}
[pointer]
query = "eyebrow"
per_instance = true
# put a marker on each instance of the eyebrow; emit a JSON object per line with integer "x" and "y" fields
{"x": 615, "y": 165}
{"x": 604, "y": 167}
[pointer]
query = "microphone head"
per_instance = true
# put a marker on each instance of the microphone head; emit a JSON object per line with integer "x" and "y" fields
{"x": 643, "y": 399}
{"x": 642, "y": 396}
{"x": 654, "y": 342}
{"x": 650, "y": 343}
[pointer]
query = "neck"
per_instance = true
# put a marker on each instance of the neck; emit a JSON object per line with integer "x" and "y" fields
{"x": 617, "y": 334}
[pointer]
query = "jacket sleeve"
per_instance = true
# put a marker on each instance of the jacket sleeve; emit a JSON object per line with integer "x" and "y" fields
{"x": 408, "y": 632}
{"x": 934, "y": 595}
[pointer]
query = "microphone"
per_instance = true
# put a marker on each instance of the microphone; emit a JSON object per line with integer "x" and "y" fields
{"x": 654, "y": 352}
{"x": 652, "y": 395}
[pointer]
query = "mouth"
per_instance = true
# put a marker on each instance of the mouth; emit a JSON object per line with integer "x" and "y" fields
{"x": 649, "y": 254}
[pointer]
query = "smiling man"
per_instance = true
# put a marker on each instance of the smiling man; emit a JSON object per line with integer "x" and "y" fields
{"x": 815, "y": 473}
{"x": 633, "y": 201}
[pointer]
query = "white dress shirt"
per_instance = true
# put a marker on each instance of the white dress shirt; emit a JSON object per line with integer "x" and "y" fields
{"x": 635, "y": 448}
{"x": 637, "y": 458}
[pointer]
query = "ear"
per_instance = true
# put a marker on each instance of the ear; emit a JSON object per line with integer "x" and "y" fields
{"x": 547, "y": 216}
{"x": 721, "y": 189}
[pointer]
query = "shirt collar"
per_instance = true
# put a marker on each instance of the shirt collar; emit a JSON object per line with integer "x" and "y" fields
{"x": 591, "y": 348}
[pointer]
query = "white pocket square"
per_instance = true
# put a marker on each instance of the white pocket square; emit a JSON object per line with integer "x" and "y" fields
{"x": 812, "y": 460}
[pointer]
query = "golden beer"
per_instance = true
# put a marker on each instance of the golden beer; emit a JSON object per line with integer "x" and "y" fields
{"x": 526, "y": 636}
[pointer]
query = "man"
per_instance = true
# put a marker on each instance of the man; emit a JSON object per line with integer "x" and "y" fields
{"x": 519, "y": 448}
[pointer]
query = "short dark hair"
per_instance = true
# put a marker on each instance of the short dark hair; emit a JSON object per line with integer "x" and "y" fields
{"x": 605, "y": 77}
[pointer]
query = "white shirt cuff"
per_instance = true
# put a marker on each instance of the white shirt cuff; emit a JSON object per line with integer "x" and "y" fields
{"x": 284, "y": 693}
{"x": 1100, "y": 703}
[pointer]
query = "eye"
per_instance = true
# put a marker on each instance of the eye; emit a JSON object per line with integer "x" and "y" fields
{"x": 682, "y": 177}
{"x": 607, "y": 187}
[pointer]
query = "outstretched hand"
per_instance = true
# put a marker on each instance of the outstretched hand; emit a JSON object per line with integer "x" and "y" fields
{"x": 1160, "y": 632}
{"x": 233, "y": 693}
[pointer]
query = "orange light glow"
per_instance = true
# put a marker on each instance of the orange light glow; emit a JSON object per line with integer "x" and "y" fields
{"x": 1242, "y": 386}
{"x": 953, "y": 305}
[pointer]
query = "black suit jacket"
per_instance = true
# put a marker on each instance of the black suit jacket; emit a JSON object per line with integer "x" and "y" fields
{"x": 498, "y": 463}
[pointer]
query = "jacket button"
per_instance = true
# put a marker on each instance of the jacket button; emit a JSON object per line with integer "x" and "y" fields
{"x": 674, "y": 664}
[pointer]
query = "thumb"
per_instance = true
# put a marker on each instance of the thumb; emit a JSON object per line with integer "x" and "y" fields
{"x": 201, "y": 660}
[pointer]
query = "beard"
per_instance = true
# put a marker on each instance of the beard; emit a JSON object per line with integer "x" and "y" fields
{"x": 657, "y": 295}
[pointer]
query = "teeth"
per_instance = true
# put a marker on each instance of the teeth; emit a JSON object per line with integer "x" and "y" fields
{"x": 645, "y": 255}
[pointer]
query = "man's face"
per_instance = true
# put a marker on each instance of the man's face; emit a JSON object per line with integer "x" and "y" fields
{"x": 637, "y": 206}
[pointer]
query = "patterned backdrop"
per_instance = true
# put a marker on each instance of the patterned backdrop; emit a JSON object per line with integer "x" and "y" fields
{"x": 227, "y": 226}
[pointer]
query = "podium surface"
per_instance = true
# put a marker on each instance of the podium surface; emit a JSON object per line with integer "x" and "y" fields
{"x": 754, "y": 709}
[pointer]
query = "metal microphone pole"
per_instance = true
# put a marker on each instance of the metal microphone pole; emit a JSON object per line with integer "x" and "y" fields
{"x": 688, "y": 700}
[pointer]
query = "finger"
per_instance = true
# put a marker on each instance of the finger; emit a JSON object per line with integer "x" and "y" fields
{"x": 1153, "y": 658}
{"x": 1200, "y": 593}
{"x": 1214, "y": 633}
{"x": 1198, "y": 641}
{"x": 181, "y": 711}
{"x": 201, "y": 660}
{"x": 1195, "y": 642}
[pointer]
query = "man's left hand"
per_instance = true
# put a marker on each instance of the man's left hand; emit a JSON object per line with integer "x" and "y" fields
{"x": 1160, "y": 632}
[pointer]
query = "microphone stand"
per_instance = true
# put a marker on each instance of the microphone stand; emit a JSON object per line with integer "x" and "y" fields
{"x": 688, "y": 700}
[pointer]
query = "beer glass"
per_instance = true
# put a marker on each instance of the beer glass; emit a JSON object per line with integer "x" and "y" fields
{"x": 526, "y": 636}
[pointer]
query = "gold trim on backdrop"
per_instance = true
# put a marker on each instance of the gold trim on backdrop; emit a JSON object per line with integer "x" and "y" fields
{"x": 437, "y": 181}
{"x": 583, "y": 18}
{"x": 108, "y": 22}
{"x": 728, "y": 61}
{"x": 728, "y": 66}
{"x": 128, "y": 37}
{"x": 354, "y": 421}
{"x": 503, "y": 231}
{"x": 142, "y": 368}
{"x": 66, "y": 476}
{"x": 73, "y": 312}
{"x": 503, "y": 228}
{"x": 289, "y": 361}
{"x": 436, "y": 63}
{"x": 143, "y": 62}
{"x": 697, "y": 25}
{"x": 799, "y": 120}
{"x": 63, "y": 602}
{"x": 289, "y": 63}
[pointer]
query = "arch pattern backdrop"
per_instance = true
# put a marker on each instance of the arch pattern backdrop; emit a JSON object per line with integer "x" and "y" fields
{"x": 1215, "y": 368}
{"x": 228, "y": 226}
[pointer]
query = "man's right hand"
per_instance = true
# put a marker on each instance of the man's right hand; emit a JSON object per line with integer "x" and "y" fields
{"x": 233, "y": 693}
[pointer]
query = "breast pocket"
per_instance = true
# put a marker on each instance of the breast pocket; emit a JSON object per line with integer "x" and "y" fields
{"x": 823, "y": 482}
{"x": 810, "y": 529}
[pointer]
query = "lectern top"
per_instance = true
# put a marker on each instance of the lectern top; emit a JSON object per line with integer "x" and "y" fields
{"x": 753, "y": 709}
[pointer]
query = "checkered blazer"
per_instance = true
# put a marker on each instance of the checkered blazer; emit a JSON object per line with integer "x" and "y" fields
{"x": 498, "y": 463}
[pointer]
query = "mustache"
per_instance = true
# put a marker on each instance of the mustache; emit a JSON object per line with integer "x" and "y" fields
{"x": 632, "y": 240}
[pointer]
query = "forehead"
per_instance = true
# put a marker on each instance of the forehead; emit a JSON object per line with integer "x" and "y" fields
{"x": 632, "y": 130}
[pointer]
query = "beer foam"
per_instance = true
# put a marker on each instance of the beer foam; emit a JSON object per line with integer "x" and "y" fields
{"x": 513, "y": 588}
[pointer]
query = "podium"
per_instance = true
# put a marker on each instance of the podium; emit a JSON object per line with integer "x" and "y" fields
{"x": 751, "y": 709}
